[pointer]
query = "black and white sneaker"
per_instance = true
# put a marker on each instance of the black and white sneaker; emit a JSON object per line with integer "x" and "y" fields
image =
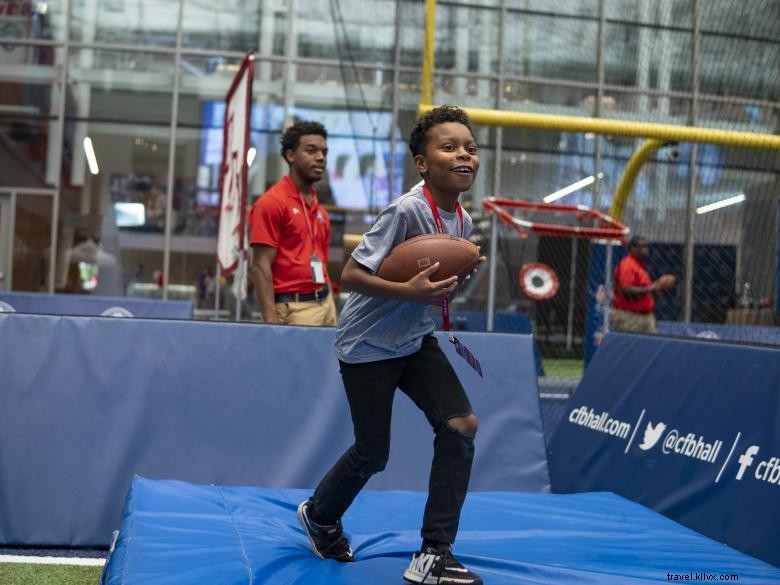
{"x": 327, "y": 542}
{"x": 432, "y": 566}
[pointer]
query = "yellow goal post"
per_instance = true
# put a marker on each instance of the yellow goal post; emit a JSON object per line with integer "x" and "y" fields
{"x": 656, "y": 135}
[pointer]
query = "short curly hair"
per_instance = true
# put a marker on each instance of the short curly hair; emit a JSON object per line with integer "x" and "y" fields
{"x": 291, "y": 137}
{"x": 418, "y": 140}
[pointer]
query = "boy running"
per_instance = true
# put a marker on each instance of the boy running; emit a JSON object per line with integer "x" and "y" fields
{"x": 385, "y": 341}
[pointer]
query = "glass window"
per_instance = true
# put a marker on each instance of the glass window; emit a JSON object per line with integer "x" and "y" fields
{"x": 27, "y": 119}
{"x": 647, "y": 107}
{"x": 751, "y": 18}
{"x": 562, "y": 7}
{"x": 205, "y": 78}
{"x": 348, "y": 30}
{"x": 551, "y": 47}
{"x": 467, "y": 38}
{"x": 355, "y": 87}
{"x": 252, "y": 25}
{"x": 120, "y": 86}
{"x": 412, "y": 32}
{"x": 31, "y": 20}
{"x": 24, "y": 156}
{"x": 667, "y": 12}
{"x": 199, "y": 158}
{"x": 132, "y": 22}
{"x": 116, "y": 197}
{"x": 115, "y": 166}
{"x": 739, "y": 67}
{"x": 409, "y": 89}
{"x": 549, "y": 98}
{"x": 196, "y": 210}
{"x": 648, "y": 57}
{"x": 200, "y": 141}
{"x": 464, "y": 91}
{"x": 32, "y": 242}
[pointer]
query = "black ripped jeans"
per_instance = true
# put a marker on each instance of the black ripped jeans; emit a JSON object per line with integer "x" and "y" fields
{"x": 429, "y": 380}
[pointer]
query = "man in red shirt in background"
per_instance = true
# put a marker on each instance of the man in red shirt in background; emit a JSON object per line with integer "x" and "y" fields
{"x": 633, "y": 301}
{"x": 290, "y": 234}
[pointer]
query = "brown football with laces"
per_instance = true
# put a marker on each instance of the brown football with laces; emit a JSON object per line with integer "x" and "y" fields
{"x": 456, "y": 256}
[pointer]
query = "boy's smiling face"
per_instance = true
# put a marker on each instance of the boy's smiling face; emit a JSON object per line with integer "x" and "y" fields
{"x": 450, "y": 162}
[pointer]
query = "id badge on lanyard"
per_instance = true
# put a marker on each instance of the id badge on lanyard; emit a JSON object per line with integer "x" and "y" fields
{"x": 317, "y": 271}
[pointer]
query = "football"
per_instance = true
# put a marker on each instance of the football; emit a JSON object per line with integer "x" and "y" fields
{"x": 666, "y": 281}
{"x": 456, "y": 256}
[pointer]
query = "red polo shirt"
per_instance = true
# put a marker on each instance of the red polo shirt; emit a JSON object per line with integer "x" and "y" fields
{"x": 631, "y": 271}
{"x": 277, "y": 219}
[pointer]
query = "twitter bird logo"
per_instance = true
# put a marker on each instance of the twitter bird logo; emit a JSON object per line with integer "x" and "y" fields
{"x": 652, "y": 434}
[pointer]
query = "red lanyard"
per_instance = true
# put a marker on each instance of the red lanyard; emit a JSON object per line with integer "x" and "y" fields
{"x": 445, "y": 304}
{"x": 435, "y": 210}
{"x": 312, "y": 232}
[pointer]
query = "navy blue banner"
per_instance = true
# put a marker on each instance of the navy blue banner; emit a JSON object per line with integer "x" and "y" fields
{"x": 685, "y": 427}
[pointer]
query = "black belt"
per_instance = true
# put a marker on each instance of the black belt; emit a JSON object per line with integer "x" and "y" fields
{"x": 301, "y": 298}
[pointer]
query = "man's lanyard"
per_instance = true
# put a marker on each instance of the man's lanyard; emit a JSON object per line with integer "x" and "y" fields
{"x": 445, "y": 303}
{"x": 312, "y": 232}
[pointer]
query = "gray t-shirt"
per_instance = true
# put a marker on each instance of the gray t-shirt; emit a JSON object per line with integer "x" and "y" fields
{"x": 370, "y": 328}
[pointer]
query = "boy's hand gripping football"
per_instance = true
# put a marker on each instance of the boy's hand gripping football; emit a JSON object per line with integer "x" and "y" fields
{"x": 462, "y": 281}
{"x": 421, "y": 289}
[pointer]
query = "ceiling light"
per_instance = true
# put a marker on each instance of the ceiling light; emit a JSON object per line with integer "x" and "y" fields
{"x": 571, "y": 188}
{"x": 90, "y": 152}
{"x": 722, "y": 203}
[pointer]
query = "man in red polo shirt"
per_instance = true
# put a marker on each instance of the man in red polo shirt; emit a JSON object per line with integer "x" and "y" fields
{"x": 290, "y": 233}
{"x": 633, "y": 301}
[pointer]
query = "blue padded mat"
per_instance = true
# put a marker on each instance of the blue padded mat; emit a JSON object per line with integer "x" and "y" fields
{"x": 185, "y": 534}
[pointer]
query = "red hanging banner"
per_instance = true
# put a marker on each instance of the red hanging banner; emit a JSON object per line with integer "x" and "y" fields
{"x": 233, "y": 187}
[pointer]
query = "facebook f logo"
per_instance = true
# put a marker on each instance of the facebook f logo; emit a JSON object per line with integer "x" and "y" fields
{"x": 746, "y": 460}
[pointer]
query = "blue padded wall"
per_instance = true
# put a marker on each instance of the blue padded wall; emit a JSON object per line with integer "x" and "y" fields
{"x": 89, "y": 402}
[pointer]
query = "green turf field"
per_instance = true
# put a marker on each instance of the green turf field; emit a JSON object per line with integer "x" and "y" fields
{"x": 560, "y": 368}
{"x": 25, "y": 574}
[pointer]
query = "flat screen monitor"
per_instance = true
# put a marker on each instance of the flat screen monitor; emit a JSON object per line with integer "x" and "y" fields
{"x": 129, "y": 214}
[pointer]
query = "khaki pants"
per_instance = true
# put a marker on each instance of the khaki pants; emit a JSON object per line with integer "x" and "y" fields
{"x": 317, "y": 313}
{"x": 630, "y": 322}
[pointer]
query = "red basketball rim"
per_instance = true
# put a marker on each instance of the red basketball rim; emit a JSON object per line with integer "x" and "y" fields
{"x": 607, "y": 228}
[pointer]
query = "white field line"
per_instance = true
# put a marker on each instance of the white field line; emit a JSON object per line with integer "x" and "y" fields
{"x": 84, "y": 562}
